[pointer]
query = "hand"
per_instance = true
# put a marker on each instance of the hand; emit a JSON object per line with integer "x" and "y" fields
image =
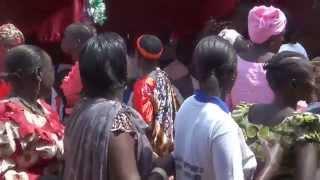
{"x": 273, "y": 153}
{"x": 230, "y": 35}
{"x": 166, "y": 163}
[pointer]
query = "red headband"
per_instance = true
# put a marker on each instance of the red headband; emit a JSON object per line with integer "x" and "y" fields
{"x": 147, "y": 55}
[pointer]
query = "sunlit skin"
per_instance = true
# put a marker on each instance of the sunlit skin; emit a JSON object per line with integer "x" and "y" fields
{"x": 283, "y": 106}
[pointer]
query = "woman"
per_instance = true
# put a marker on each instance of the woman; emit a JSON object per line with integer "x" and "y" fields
{"x": 208, "y": 143}
{"x": 104, "y": 138}
{"x": 266, "y": 27}
{"x": 31, "y": 133}
{"x": 292, "y": 79}
{"x": 153, "y": 95}
{"x": 10, "y": 37}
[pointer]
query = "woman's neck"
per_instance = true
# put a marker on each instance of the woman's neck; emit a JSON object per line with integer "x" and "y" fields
{"x": 29, "y": 97}
{"x": 115, "y": 96}
{"x": 210, "y": 91}
{"x": 254, "y": 52}
{"x": 283, "y": 102}
{"x": 147, "y": 70}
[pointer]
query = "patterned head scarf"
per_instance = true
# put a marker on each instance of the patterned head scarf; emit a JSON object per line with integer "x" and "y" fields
{"x": 265, "y": 22}
{"x": 10, "y": 36}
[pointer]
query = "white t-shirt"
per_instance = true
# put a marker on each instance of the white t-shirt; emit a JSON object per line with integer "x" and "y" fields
{"x": 209, "y": 145}
{"x": 296, "y": 47}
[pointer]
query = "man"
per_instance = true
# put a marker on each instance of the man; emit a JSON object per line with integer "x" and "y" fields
{"x": 75, "y": 36}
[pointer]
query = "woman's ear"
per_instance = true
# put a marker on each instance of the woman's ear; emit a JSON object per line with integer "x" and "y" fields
{"x": 294, "y": 83}
{"x": 38, "y": 74}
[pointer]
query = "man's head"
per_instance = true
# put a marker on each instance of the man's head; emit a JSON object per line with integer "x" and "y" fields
{"x": 75, "y": 36}
{"x": 149, "y": 49}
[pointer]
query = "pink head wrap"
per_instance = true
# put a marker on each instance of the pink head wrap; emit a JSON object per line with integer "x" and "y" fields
{"x": 265, "y": 22}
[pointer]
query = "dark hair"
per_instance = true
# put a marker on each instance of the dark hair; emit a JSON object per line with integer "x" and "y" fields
{"x": 26, "y": 60}
{"x": 214, "y": 55}
{"x": 184, "y": 50}
{"x": 151, "y": 44}
{"x": 286, "y": 67}
{"x": 81, "y": 31}
{"x": 103, "y": 65}
{"x": 213, "y": 27}
{"x": 292, "y": 30}
{"x": 316, "y": 65}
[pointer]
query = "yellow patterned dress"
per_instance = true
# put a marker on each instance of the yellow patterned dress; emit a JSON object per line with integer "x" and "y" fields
{"x": 297, "y": 128}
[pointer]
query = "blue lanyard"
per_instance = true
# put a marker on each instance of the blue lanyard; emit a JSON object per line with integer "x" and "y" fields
{"x": 202, "y": 97}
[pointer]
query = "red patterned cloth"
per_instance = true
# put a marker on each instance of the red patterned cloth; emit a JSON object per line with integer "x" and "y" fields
{"x": 31, "y": 143}
{"x": 5, "y": 89}
{"x": 154, "y": 98}
{"x": 10, "y": 36}
{"x": 72, "y": 87}
{"x": 143, "y": 98}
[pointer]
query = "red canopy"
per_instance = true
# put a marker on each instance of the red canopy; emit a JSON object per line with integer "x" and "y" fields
{"x": 45, "y": 20}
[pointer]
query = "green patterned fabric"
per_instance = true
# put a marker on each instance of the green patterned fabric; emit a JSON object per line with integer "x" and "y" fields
{"x": 97, "y": 11}
{"x": 300, "y": 127}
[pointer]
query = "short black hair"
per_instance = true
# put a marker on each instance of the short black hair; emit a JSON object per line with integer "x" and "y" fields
{"x": 151, "y": 43}
{"x": 25, "y": 60}
{"x": 103, "y": 65}
{"x": 285, "y": 67}
{"x": 184, "y": 50}
{"x": 81, "y": 31}
{"x": 214, "y": 54}
{"x": 292, "y": 30}
{"x": 213, "y": 27}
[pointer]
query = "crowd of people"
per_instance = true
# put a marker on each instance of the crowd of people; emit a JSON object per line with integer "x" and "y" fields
{"x": 226, "y": 107}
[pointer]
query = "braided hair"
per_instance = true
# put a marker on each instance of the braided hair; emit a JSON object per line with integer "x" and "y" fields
{"x": 103, "y": 65}
{"x": 214, "y": 54}
{"x": 215, "y": 59}
{"x": 289, "y": 70}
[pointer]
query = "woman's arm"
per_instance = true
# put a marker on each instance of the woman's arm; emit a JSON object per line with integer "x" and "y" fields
{"x": 273, "y": 153}
{"x": 123, "y": 163}
{"x": 227, "y": 157}
{"x": 306, "y": 164}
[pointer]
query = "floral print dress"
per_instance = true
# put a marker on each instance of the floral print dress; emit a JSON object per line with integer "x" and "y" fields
{"x": 300, "y": 127}
{"x": 30, "y": 144}
{"x": 154, "y": 98}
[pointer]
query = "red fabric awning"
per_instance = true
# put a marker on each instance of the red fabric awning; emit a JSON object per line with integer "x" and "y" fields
{"x": 43, "y": 20}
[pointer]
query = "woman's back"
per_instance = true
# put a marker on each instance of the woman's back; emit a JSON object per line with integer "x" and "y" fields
{"x": 251, "y": 85}
{"x": 88, "y": 134}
